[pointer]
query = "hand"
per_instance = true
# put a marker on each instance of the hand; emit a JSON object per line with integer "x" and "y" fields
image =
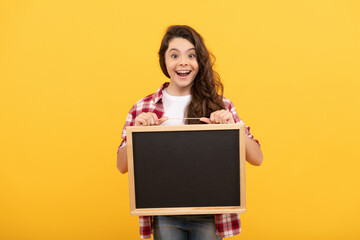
{"x": 148, "y": 119}
{"x": 219, "y": 117}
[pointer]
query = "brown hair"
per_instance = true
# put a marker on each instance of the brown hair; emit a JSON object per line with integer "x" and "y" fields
{"x": 207, "y": 89}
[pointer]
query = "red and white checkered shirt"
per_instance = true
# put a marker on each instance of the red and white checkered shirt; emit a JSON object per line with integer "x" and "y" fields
{"x": 227, "y": 225}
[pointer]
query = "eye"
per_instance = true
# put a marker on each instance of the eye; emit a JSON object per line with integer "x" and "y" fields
{"x": 192, "y": 55}
{"x": 174, "y": 56}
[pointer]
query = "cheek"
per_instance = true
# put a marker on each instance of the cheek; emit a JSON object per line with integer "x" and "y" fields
{"x": 170, "y": 67}
{"x": 196, "y": 67}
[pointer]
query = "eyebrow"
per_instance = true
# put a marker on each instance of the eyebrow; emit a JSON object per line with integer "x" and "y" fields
{"x": 175, "y": 49}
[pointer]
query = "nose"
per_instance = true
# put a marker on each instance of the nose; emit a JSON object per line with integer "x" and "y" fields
{"x": 183, "y": 62}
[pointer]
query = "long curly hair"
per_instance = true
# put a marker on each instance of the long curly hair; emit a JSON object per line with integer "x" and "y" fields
{"x": 207, "y": 89}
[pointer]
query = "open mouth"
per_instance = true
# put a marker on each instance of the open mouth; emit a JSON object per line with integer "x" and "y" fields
{"x": 183, "y": 73}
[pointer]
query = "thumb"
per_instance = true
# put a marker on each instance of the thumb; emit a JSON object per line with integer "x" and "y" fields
{"x": 205, "y": 120}
{"x": 161, "y": 120}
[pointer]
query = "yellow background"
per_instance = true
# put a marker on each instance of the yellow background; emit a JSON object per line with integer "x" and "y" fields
{"x": 71, "y": 70}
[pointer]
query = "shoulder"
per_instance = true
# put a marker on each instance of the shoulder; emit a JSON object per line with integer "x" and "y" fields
{"x": 143, "y": 104}
{"x": 149, "y": 102}
{"x": 146, "y": 99}
{"x": 152, "y": 98}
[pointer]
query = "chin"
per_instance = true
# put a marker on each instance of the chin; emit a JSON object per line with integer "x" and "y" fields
{"x": 184, "y": 84}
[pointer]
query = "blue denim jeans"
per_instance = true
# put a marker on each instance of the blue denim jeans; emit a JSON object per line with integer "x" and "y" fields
{"x": 185, "y": 227}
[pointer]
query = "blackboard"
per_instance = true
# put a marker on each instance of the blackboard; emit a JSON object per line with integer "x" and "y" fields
{"x": 189, "y": 169}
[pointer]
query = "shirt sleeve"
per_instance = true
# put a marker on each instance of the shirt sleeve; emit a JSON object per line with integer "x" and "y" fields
{"x": 230, "y": 106}
{"x": 146, "y": 226}
{"x": 227, "y": 225}
{"x": 130, "y": 121}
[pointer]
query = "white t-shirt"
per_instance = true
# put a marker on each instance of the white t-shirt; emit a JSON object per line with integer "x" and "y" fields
{"x": 174, "y": 107}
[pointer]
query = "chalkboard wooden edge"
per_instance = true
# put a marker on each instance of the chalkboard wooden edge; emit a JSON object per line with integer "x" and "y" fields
{"x": 242, "y": 167}
{"x": 130, "y": 168}
{"x": 186, "y": 211}
{"x": 190, "y": 127}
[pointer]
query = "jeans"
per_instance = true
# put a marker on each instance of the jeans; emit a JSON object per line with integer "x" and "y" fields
{"x": 185, "y": 227}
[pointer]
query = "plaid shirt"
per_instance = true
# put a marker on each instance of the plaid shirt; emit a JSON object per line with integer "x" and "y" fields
{"x": 227, "y": 225}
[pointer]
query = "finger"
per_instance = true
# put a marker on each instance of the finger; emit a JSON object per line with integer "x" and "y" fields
{"x": 205, "y": 120}
{"x": 149, "y": 120}
{"x": 154, "y": 118}
{"x": 142, "y": 115}
{"x": 217, "y": 117}
{"x": 212, "y": 117}
{"x": 139, "y": 121}
{"x": 229, "y": 118}
{"x": 147, "y": 117}
{"x": 222, "y": 116}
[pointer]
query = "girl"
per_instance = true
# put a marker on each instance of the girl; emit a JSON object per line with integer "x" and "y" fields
{"x": 194, "y": 91}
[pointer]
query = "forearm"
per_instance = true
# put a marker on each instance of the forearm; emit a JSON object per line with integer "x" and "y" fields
{"x": 122, "y": 160}
{"x": 253, "y": 152}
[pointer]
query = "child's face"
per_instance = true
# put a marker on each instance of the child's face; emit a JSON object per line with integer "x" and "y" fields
{"x": 182, "y": 66}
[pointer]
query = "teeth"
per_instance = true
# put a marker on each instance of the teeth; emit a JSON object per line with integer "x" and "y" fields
{"x": 183, "y": 71}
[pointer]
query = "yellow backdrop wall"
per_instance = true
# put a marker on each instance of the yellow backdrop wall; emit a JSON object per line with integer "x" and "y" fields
{"x": 71, "y": 70}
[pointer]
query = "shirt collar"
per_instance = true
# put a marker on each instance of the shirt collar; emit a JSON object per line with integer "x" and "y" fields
{"x": 159, "y": 95}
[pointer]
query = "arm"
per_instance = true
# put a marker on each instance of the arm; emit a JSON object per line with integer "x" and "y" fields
{"x": 253, "y": 152}
{"x": 122, "y": 160}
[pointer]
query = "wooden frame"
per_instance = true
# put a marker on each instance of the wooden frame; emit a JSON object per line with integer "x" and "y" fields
{"x": 188, "y": 209}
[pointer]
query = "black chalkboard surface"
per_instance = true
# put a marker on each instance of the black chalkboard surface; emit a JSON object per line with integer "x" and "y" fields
{"x": 190, "y": 169}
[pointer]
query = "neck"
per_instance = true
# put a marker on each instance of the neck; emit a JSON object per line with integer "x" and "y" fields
{"x": 175, "y": 91}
